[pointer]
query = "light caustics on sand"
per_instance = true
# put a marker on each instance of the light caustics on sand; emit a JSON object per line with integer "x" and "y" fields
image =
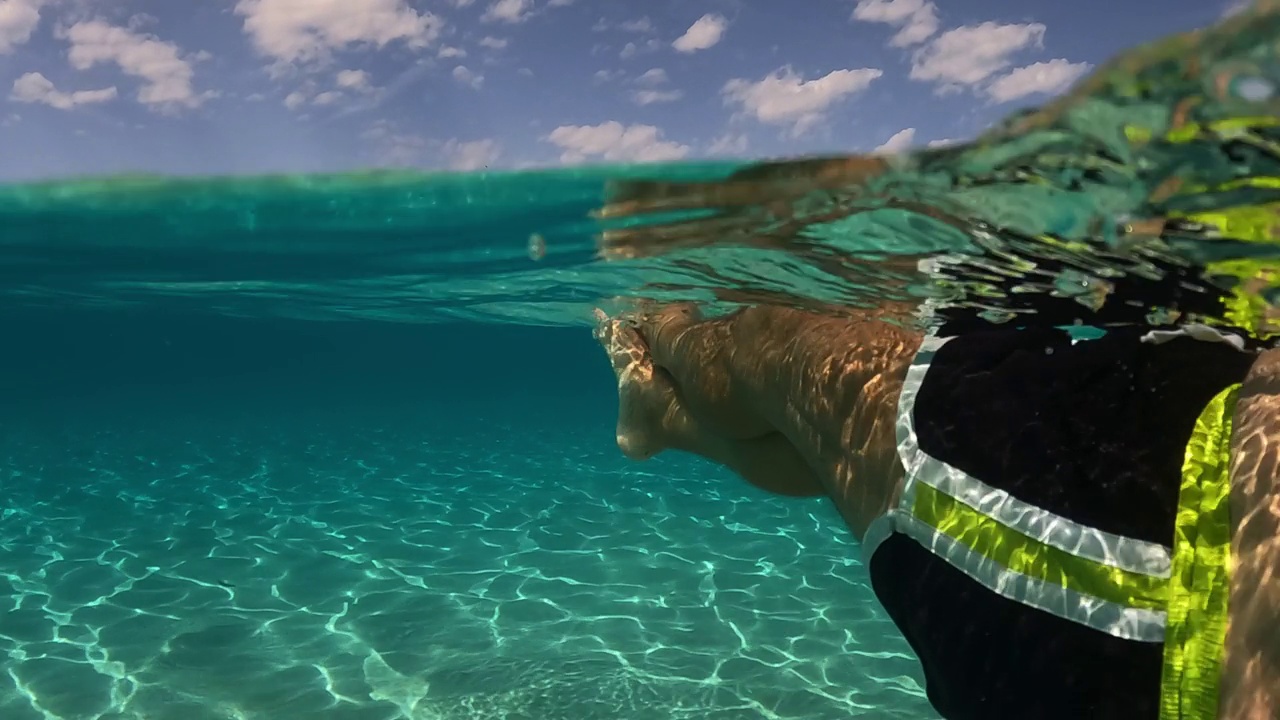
{"x": 174, "y": 581}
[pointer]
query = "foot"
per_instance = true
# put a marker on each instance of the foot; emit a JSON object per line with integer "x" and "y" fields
{"x": 645, "y": 395}
{"x": 660, "y": 324}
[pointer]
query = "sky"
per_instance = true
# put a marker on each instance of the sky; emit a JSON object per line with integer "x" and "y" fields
{"x": 92, "y": 87}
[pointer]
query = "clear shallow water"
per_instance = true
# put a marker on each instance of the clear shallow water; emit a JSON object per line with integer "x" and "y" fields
{"x": 213, "y": 519}
{"x": 400, "y": 247}
{"x": 331, "y": 447}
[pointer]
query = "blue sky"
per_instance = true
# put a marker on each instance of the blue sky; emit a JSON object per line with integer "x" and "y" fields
{"x": 265, "y": 86}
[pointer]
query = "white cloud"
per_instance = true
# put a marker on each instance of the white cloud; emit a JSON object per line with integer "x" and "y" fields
{"x": 704, "y": 33}
{"x": 650, "y": 97}
{"x": 36, "y": 88}
{"x": 295, "y": 99}
{"x": 508, "y": 11}
{"x": 650, "y": 93}
{"x": 297, "y": 31}
{"x": 354, "y": 80}
{"x": 916, "y": 20}
{"x": 728, "y": 144}
{"x": 604, "y": 76}
{"x": 942, "y": 142}
{"x": 898, "y": 142}
{"x": 632, "y": 49}
{"x": 1050, "y": 77}
{"x": 18, "y": 20}
{"x": 472, "y": 155}
{"x": 641, "y": 25}
{"x": 785, "y": 98}
{"x": 653, "y": 76}
{"x": 167, "y": 77}
{"x": 328, "y": 97}
{"x": 971, "y": 54}
{"x": 394, "y": 148}
{"x": 560, "y": 3}
{"x": 467, "y": 76}
{"x": 451, "y": 52}
{"x": 614, "y": 142}
{"x": 493, "y": 43}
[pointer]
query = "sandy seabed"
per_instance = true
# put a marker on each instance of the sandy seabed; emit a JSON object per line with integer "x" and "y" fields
{"x": 465, "y": 563}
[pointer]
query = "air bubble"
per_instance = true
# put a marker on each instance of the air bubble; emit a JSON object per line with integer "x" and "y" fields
{"x": 1254, "y": 89}
{"x": 537, "y": 247}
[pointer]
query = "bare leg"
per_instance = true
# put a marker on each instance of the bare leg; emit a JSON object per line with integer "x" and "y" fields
{"x": 1251, "y": 674}
{"x": 830, "y": 385}
{"x": 827, "y": 384}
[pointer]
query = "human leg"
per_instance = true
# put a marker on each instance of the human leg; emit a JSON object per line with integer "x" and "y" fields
{"x": 1251, "y": 671}
{"x": 652, "y": 417}
{"x": 826, "y": 384}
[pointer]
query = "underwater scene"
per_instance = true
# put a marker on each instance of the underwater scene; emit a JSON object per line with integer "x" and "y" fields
{"x": 344, "y": 447}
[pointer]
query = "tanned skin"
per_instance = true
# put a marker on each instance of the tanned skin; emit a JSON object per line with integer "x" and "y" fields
{"x": 804, "y": 404}
{"x": 1251, "y": 677}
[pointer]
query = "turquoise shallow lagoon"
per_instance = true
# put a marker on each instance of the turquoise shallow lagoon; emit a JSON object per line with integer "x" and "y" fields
{"x": 342, "y": 447}
{"x": 244, "y": 519}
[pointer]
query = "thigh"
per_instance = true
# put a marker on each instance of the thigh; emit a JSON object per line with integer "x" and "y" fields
{"x": 1251, "y": 677}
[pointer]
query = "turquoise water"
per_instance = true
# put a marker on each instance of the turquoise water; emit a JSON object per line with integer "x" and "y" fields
{"x": 339, "y": 448}
{"x": 210, "y": 518}
{"x": 343, "y": 447}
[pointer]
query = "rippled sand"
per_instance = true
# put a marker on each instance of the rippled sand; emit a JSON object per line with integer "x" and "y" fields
{"x": 479, "y": 563}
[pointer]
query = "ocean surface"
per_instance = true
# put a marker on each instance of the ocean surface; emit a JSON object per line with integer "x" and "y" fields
{"x": 343, "y": 447}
